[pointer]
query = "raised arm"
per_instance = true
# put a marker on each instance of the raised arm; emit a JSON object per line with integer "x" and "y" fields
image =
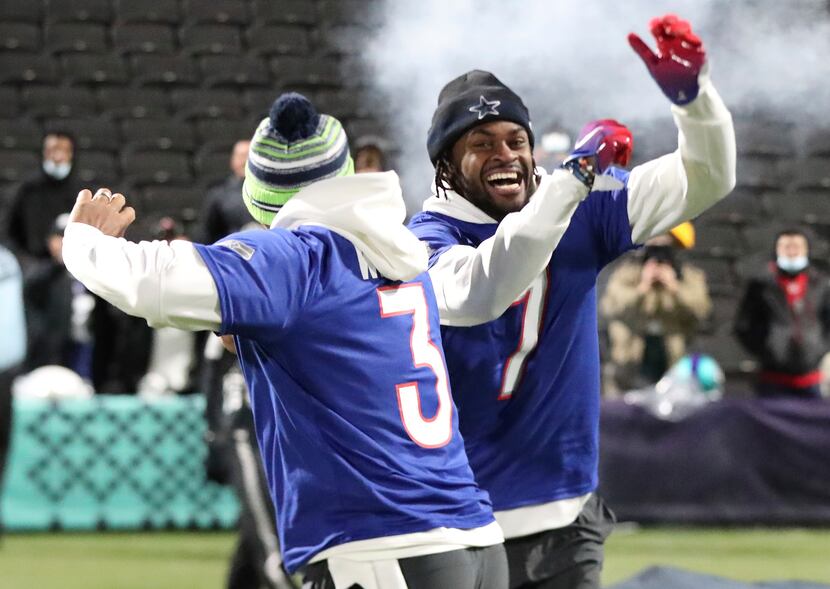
{"x": 168, "y": 284}
{"x": 679, "y": 186}
{"x": 475, "y": 285}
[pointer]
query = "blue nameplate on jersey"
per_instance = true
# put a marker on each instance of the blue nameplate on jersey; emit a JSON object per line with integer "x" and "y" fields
{"x": 245, "y": 251}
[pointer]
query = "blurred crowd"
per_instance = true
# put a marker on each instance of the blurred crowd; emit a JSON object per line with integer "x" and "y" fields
{"x": 654, "y": 304}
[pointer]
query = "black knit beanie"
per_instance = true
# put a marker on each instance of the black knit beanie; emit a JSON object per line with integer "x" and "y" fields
{"x": 471, "y": 99}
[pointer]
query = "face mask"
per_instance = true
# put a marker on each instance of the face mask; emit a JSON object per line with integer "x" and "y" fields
{"x": 55, "y": 170}
{"x": 792, "y": 265}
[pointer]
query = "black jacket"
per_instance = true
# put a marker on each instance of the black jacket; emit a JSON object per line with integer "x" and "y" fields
{"x": 224, "y": 211}
{"x": 784, "y": 339}
{"x": 31, "y": 214}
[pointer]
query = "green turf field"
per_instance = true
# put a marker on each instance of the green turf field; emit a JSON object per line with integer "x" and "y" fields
{"x": 198, "y": 560}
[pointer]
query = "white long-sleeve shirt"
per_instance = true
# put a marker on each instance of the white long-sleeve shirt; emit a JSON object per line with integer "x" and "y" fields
{"x": 475, "y": 285}
{"x": 169, "y": 284}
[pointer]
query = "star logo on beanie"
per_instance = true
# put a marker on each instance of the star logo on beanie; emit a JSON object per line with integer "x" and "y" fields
{"x": 485, "y": 107}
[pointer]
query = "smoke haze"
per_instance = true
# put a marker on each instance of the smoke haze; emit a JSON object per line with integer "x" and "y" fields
{"x": 570, "y": 61}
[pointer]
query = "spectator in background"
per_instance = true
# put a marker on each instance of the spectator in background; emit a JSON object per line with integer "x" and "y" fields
{"x": 40, "y": 199}
{"x": 173, "y": 352}
{"x": 13, "y": 350}
{"x": 223, "y": 211}
{"x": 552, "y": 150}
{"x": 784, "y": 319}
{"x": 654, "y": 305}
{"x": 370, "y": 154}
{"x": 121, "y": 350}
{"x": 58, "y": 310}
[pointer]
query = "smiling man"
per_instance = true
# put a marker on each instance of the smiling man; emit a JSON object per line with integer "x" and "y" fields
{"x": 526, "y": 381}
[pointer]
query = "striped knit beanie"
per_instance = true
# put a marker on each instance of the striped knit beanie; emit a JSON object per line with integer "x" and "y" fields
{"x": 292, "y": 148}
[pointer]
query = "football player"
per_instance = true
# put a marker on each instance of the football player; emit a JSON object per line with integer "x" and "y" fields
{"x": 526, "y": 381}
{"x": 334, "y": 321}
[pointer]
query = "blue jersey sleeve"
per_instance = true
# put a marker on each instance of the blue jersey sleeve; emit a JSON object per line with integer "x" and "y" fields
{"x": 608, "y": 212}
{"x": 263, "y": 279}
{"x": 438, "y": 234}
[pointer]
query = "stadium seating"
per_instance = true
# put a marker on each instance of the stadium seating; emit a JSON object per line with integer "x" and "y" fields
{"x": 20, "y": 36}
{"x": 143, "y": 38}
{"x": 227, "y": 70}
{"x": 156, "y": 11}
{"x": 219, "y": 135}
{"x": 56, "y": 101}
{"x": 97, "y": 168}
{"x": 16, "y": 165}
{"x": 82, "y": 37}
{"x": 211, "y": 38}
{"x": 156, "y": 69}
{"x": 217, "y": 11}
{"x": 18, "y": 67}
{"x": 195, "y": 103}
{"x": 211, "y": 166}
{"x": 745, "y": 205}
{"x": 20, "y": 133}
{"x": 354, "y": 12}
{"x": 170, "y": 200}
{"x": 306, "y": 72}
{"x": 808, "y": 207}
{"x": 817, "y": 142}
{"x": 17, "y": 11}
{"x": 718, "y": 240}
{"x": 89, "y": 133}
{"x": 279, "y": 40}
{"x": 773, "y": 138}
{"x": 812, "y": 173}
{"x": 120, "y": 102}
{"x": 94, "y": 69}
{"x": 161, "y": 134}
{"x": 142, "y": 168}
{"x": 9, "y": 102}
{"x": 290, "y": 11}
{"x": 78, "y": 11}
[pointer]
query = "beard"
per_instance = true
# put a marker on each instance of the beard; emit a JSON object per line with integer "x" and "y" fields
{"x": 486, "y": 197}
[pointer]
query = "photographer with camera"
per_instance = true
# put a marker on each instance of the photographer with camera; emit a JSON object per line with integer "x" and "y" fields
{"x": 653, "y": 304}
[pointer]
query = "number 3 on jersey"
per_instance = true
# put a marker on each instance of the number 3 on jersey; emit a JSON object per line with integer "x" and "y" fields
{"x": 532, "y": 303}
{"x": 436, "y": 431}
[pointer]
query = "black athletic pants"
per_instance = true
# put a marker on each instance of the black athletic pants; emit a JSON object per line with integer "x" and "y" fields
{"x": 471, "y": 568}
{"x": 256, "y": 561}
{"x": 565, "y": 558}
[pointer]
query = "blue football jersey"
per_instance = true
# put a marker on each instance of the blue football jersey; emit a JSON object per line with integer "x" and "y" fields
{"x": 348, "y": 385}
{"x": 527, "y": 384}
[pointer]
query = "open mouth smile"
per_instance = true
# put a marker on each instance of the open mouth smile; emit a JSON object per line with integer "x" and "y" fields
{"x": 505, "y": 182}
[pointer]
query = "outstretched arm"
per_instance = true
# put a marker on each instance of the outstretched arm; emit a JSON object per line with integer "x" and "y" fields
{"x": 166, "y": 283}
{"x": 679, "y": 186}
{"x": 475, "y": 285}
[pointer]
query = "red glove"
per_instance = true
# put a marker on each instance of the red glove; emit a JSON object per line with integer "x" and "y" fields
{"x": 679, "y": 61}
{"x": 614, "y": 142}
{"x": 601, "y": 143}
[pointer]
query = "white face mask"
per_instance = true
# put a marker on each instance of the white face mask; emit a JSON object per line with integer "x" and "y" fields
{"x": 55, "y": 170}
{"x": 792, "y": 265}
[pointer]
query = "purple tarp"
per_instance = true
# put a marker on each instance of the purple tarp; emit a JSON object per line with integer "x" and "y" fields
{"x": 670, "y": 578}
{"x": 741, "y": 461}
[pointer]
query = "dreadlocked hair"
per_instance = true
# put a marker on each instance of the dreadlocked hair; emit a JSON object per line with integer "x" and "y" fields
{"x": 447, "y": 176}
